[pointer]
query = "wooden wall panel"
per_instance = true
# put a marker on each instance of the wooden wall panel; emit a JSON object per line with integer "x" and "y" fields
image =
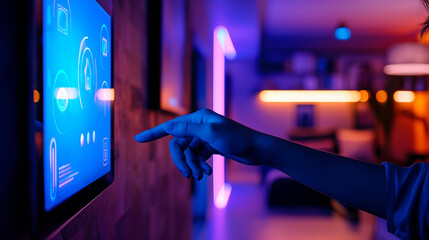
{"x": 149, "y": 199}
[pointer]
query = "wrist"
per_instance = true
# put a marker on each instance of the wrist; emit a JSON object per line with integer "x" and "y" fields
{"x": 269, "y": 149}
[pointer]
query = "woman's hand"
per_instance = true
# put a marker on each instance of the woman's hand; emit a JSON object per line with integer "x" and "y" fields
{"x": 201, "y": 134}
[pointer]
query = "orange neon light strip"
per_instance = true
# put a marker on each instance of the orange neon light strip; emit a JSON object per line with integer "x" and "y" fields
{"x": 106, "y": 94}
{"x": 404, "y": 96}
{"x": 309, "y": 96}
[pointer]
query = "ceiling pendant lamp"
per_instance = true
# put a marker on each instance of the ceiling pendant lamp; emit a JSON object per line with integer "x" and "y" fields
{"x": 407, "y": 59}
{"x": 342, "y": 32}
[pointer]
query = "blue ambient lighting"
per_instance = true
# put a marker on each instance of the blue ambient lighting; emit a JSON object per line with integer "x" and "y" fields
{"x": 76, "y": 71}
{"x": 342, "y": 33}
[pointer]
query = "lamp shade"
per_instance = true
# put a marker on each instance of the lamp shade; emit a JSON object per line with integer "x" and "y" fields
{"x": 407, "y": 59}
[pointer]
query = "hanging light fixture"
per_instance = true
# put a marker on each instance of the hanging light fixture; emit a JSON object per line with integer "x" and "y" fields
{"x": 342, "y": 32}
{"x": 407, "y": 59}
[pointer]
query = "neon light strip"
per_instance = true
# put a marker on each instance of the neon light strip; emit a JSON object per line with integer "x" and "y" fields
{"x": 223, "y": 196}
{"x": 222, "y": 47}
{"x": 106, "y": 94}
{"x": 407, "y": 69}
{"x": 404, "y": 96}
{"x": 298, "y": 96}
{"x": 309, "y": 96}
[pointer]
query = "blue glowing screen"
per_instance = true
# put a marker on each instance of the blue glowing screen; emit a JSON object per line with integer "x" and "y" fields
{"x": 76, "y": 100}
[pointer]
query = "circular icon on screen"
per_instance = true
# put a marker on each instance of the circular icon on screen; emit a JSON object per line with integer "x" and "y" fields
{"x": 104, "y": 46}
{"x": 62, "y": 95}
{"x": 62, "y": 99}
{"x": 87, "y": 74}
{"x": 53, "y": 175}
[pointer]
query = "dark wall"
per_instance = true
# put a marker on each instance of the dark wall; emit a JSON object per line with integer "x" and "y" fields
{"x": 15, "y": 99}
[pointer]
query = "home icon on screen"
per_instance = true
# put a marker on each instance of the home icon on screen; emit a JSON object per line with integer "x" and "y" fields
{"x": 62, "y": 19}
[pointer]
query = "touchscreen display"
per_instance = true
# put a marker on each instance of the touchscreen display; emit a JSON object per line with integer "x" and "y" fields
{"x": 77, "y": 95}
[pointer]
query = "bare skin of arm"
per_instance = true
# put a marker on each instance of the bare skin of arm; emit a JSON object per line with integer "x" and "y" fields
{"x": 201, "y": 134}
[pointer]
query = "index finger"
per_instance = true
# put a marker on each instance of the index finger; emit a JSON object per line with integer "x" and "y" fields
{"x": 159, "y": 131}
{"x": 151, "y": 134}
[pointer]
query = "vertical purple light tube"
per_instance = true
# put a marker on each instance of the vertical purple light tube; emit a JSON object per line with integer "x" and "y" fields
{"x": 222, "y": 47}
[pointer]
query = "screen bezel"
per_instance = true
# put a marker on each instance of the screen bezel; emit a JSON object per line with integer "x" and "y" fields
{"x": 50, "y": 222}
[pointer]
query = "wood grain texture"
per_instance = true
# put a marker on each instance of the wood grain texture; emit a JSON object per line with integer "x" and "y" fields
{"x": 149, "y": 199}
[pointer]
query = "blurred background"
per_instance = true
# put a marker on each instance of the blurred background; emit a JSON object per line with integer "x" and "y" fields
{"x": 310, "y": 48}
{"x": 348, "y": 77}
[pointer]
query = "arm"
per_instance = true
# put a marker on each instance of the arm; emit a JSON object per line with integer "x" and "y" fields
{"x": 357, "y": 183}
{"x": 199, "y": 135}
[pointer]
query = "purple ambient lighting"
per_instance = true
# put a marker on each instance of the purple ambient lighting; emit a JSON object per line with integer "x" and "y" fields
{"x": 222, "y": 47}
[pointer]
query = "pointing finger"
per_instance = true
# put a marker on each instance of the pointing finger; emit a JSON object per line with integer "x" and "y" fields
{"x": 151, "y": 134}
{"x": 159, "y": 131}
{"x": 203, "y": 131}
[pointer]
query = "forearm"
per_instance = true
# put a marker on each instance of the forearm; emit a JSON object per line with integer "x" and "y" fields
{"x": 357, "y": 183}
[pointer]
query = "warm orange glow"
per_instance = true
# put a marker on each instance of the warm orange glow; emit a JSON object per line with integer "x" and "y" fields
{"x": 420, "y": 135}
{"x": 364, "y": 96}
{"x": 309, "y": 96}
{"x": 424, "y": 39}
{"x": 407, "y": 69}
{"x": 106, "y": 94}
{"x": 404, "y": 96}
{"x": 381, "y": 96}
{"x": 36, "y": 96}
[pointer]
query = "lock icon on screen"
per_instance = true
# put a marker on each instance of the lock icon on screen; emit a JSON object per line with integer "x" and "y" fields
{"x": 88, "y": 75}
{"x": 104, "y": 46}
